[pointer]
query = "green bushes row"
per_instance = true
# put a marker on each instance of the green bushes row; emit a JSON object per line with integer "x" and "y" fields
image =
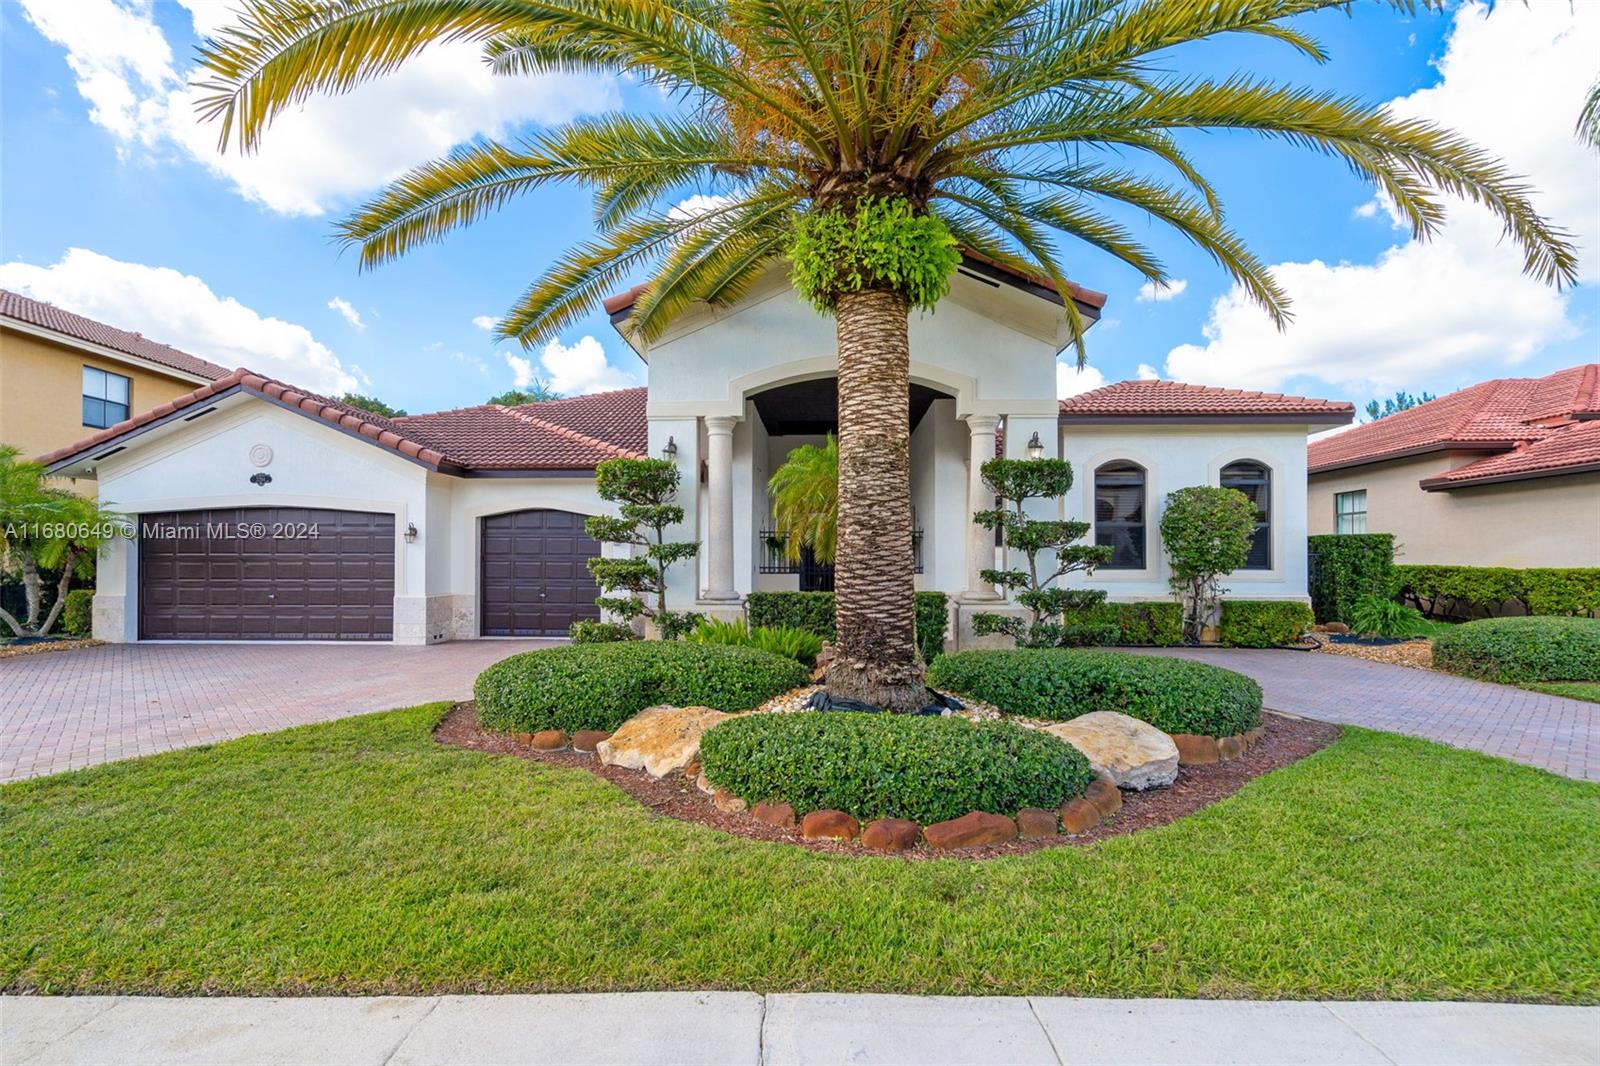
{"x": 1174, "y": 695}
{"x": 1348, "y": 567}
{"x": 600, "y": 686}
{"x": 1455, "y": 590}
{"x": 1517, "y": 650}
{"x": 1157, "y": 623}
{"x": 892, "y": 766}
{"x": 814, "y": 611}
{"x": 77, "y": 614}
{"x": 1262, "y": 623}
{"x": 585, "y": 631}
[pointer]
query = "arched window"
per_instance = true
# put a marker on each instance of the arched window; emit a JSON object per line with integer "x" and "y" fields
{"x": 1119, "y": 513}
{"x": 1255, "y": 481}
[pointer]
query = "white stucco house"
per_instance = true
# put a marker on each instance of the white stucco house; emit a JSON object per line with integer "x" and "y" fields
{"x": 468, "y": 523}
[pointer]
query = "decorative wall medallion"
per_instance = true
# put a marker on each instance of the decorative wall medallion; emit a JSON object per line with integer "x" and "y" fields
{"x": 260, "y": 454}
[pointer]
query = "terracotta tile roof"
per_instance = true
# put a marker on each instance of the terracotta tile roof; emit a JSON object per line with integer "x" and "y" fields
{"x": 1490, "y": 416}
{"x": 1175, "y": 399}
{"x": 489, "y": 437}
{"x": 1573, "y": 450}
{"x": 16, "y": 306}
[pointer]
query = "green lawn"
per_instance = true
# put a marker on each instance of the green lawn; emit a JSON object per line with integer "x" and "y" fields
{"x": 1577, "y": 690}
{"x": 359, "y": 856}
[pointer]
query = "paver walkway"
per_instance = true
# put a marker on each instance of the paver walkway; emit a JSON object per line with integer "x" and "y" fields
{"x": 62, "y": 710}
{"x": 744, "y": 1028}
{"x": 1552, "y": 732}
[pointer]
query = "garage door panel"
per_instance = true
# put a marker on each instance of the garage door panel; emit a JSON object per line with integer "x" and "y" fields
{"x": 532, "y": 577}
{"x": 201, "y": 581}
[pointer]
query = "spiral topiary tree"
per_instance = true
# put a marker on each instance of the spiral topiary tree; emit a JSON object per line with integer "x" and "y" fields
{"x": 645, "y": 491}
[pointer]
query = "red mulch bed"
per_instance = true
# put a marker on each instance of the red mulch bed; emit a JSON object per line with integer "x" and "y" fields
{"x": 1288, "y": 740}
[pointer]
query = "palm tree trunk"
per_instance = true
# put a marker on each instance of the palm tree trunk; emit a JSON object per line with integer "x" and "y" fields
{"x": 874, "y": 575}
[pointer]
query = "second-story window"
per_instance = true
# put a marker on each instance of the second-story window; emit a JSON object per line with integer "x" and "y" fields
{"x": 105, "y": 397}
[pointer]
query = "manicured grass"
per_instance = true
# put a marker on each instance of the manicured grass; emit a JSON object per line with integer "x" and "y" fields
{"x": 1577, "y": 690}
{"x": 359, "y": 856}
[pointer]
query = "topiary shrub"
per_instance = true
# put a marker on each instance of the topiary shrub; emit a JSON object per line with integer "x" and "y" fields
{"x": 600, "y": 686}
{"x": 892, "y": 766}
{"x": 1517, "y": 650}
{"x": 1207, "y": 532}
{"x": 1348, "y": 567}
{"x": 813, "y": 611}
{"x": 1263, "y": 623}
{"x": 1174, "y": 695}
{"x": 590, "y": 632}
{"x": 77, "y": 614}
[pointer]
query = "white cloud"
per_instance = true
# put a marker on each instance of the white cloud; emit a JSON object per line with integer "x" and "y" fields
{"x": 1070, "y": 380}
{"x": 570, "y": 369}
{"x": 317, "y": 154}
{"x": 1367, "y": 210}
{"x": 1459, "y": 307}
{"x": 485, "y": 322}
{"x": 351, "y": 315}
{"x": 1150, "y": 292}
{"x": 1148, "y": 373}
{"x": 181, "y": 310}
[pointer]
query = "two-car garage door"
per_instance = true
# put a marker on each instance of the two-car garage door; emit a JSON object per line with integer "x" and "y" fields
{"x": 266, "y": 573}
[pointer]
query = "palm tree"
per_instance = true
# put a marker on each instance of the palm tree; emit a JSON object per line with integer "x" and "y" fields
{"x": 45, "y": 528}
{"x": 863, "y": 140}
{"x": 805, "y": 500}
{"x": 1589, "y": 117}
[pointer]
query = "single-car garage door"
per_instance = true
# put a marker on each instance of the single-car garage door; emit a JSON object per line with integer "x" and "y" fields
{"x": 266, "y": 573}
{"x": 533, "y": 581}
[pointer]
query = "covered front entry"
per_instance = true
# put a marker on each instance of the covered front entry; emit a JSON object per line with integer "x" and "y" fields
{"x": 533, "y": 581}
{"x": 266, "y": 573}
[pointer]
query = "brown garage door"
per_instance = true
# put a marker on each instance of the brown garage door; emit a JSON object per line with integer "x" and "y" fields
{"x": 533, "y": 581}
{"x": 266, "y": 573}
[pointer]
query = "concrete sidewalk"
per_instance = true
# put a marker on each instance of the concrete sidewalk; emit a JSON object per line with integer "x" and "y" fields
{"x": 741, "y": 1027}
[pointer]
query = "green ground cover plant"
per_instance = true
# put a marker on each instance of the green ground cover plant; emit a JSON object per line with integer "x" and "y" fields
{"x": 1174, "y": 695}
{"x": 1516, "y": 650}
{"x": 1573, "y": 690}
{"x": 362, "y": 857}
{"x": 891, "y": 765}
{"x": 600, "y": 686}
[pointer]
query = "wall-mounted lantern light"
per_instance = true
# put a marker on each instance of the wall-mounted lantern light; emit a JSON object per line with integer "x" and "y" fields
{"x": 670, "y": 452}
{"x": 411, "y": 532}
{"x": 1035, "y": 446}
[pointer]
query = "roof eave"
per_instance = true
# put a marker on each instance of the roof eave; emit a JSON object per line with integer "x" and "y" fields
{"x": 1327, "y": 418}
{"x": 1446, "y": 484}
{"x": 67, "y": 340}
{"x": 1436, "y": 448}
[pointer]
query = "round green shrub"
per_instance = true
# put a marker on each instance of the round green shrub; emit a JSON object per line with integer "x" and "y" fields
{"x": 600, "y": 686}
{"x": 892, "y": 766}
{"x": 1174, "y": 695}
{"x": 77, "y": 614}
{"x": 1514, "y": 650}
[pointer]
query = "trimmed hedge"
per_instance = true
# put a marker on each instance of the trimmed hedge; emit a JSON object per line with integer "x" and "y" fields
{"x": 814, "y": 611}
{"x": 600, "y": 686}
{"x": 1516, "y": 650}
{"x": 1157, "y": 623}
{"x": 1174, "y": 695}
{"x": 587, "y": 631}
{"x": 1263, "y": 623}
{"x": 891, "y": 765}
{"x": 1349, "y": 566}
{"x": 1540, "y": 590}
{"x": 77, "y": 614}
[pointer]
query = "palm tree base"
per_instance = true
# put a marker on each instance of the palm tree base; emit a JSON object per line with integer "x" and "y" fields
{"x": 898, "y": 687}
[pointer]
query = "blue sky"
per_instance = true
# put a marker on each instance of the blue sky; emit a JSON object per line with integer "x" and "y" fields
{"x": 115, "y": 204}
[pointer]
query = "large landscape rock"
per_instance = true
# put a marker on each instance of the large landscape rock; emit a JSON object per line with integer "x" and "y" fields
{"x": 1133, "y": 754}
{"x": 659, "y": 740}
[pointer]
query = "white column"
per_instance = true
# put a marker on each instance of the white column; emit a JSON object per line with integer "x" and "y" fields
{"x": 980, "y": 541}
{"x": 719, "y": 504}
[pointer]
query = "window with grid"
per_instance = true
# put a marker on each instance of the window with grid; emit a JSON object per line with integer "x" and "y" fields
{"x": 1119, "y": 514}
{"x": 105, "y": 397}
{"x": 1255, "y": 481}
{"x": 1350, "y": 511}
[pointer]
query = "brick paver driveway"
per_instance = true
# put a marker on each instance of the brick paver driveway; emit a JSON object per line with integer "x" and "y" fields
{"x": 1528, "y": 727}
{"x": 63, "y": 710}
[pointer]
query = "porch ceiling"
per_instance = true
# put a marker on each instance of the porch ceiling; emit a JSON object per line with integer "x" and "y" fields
{"x": 812, "y": 407}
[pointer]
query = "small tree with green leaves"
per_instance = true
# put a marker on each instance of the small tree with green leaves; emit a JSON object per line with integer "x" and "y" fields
{"x": 1207, "y": 533}
{"x": 1049, "y": 546}
{"x": 371, "y": 404}
{"x": 535, "y": 392}
{"x": 644, "y": 491}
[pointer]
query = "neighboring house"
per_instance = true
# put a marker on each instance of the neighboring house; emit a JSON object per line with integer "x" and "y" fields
{"x": 63, "y": 375}
{"x": 468, "y": 523}
{"x": 1505, "y": 473}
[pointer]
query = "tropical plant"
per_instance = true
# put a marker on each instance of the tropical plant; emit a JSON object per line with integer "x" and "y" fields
{"x": 644, "y": 491}
{"x": 1400, "y": 401}
{"x": 788, "y": 641}
{"x": 371, "y": 404}
{"x": 1386, "y": 619}
{"x": 1052, "y": 542}
{"x": 805, "y": 500}
{"x": 535, "y": 392}
{"x": 1207, "y": 532}
{"x": 865, "y": 141}
{"x": 1589, "y": 117}
{"x": 45, "y": 528}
